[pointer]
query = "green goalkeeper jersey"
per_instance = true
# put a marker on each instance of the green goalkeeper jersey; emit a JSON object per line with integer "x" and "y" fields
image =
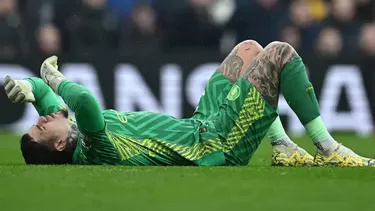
{"x": 110, "y": 137}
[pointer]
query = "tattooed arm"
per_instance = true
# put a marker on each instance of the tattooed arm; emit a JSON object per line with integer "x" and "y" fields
{"x": 264, "y": 71}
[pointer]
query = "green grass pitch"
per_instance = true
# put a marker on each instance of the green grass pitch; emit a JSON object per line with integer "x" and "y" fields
{"x": 257, "y": 187}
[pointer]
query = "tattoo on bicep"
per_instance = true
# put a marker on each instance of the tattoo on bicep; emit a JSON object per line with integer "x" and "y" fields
{"x": 231, "y": 66}
{"x": 264, "y": 71}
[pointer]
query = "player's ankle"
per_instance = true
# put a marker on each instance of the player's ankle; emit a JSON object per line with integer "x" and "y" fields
{"x": 285, "y": 141}
{"x": 326, "y": 146}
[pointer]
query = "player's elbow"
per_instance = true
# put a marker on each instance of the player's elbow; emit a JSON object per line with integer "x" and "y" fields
{"x": 85, "y": 97}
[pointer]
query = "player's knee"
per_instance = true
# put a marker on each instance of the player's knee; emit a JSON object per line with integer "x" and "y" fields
{"x": 280, "y": 53}
{"x": 279, "y": 45}
{"x": 248, "y": 50}
{"x": 250, "y": 45}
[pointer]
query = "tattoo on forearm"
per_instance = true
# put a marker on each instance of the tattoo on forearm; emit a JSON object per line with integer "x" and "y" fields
{"x": 231, "y": 66}
{"x": 264, "y": 71}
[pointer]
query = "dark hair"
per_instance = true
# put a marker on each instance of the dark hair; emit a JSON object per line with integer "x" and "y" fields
{"x": 41, "y": 153}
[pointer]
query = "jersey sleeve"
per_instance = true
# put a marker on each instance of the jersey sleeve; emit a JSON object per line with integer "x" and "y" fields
{"x": 87, "y": 111}
{"x": 46, "y": 101}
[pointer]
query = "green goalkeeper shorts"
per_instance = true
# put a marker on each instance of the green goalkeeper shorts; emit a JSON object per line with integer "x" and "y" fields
{"x": 241, "y": 116}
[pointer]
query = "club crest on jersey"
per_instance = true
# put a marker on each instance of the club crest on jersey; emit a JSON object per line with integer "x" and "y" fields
{"x": 234, "y": 93}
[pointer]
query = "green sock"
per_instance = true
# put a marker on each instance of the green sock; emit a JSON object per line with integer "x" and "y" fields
{"x": 317, "y": 130}
{"x": 277, "y": 134}
{"x": 300, "y": 95}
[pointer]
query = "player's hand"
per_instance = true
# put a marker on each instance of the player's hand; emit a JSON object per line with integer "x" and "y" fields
{"x": 18, "y": 91}
{"x": 50, "y": 74}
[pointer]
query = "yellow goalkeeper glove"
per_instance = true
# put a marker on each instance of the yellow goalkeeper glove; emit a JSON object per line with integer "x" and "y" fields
{"x": 18, "y": 91}
{"x": 50, "y": 74}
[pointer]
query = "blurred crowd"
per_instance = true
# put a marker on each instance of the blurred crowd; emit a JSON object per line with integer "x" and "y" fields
{"x": 83, "y": 27}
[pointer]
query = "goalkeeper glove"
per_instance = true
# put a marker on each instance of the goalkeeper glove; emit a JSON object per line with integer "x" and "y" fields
{"x": 50, "y": 74}
{"x": 19, "y": 91}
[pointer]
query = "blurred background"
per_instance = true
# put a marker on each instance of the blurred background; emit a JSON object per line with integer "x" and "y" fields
{"x": 143, "y": 26}
{"x": 325, "y": 32}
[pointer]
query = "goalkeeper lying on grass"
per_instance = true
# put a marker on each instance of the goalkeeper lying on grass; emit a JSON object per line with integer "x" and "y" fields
{"x": 236, "y": 111}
